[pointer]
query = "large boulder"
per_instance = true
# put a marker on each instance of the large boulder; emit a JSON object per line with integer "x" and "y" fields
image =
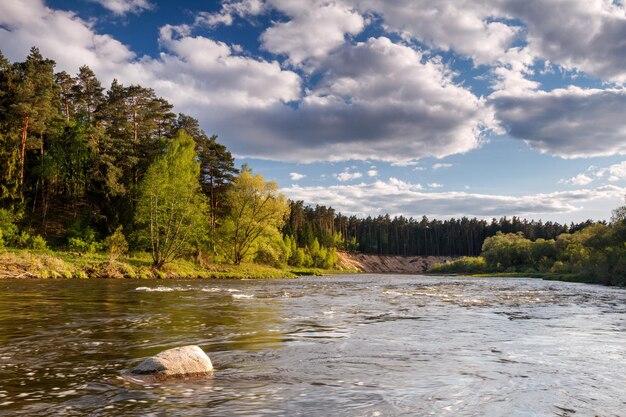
{"x": 186, "y": 361}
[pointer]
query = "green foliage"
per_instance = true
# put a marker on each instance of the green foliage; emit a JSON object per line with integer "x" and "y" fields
{"x": 82, "y": 239}
{"x": 77, "y": 244}
{"x": 8, "y": 229}
{"x": 464, "y": 265}
{"x": 256, "y": 212}
{"x": 38, "y": 242}
{"x": 504, "y": 251}
{"x": 116, "y": 244}
{"x": 22, "y": 240}
{"x": 596, "y": 253}
{"x": 171, "y": 210}
{"x": 272, "y": 250}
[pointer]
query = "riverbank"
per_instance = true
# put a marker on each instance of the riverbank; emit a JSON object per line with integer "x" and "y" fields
{"x": 547, "y": 276}
{"x": 389, "y": 264}
{"x": 478, "y": 267}
{"x": 17, "y": 263}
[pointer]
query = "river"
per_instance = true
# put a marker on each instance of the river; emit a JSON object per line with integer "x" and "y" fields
{"x": 358, "y": 345}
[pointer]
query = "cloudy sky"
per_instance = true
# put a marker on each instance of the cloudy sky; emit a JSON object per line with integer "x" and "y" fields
{"x": 445, "y": 108}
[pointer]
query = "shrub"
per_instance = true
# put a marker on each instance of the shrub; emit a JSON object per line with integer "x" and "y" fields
{"x": 8, "y": 229}
{"x": 116, "y": 244}
{"x": 77, "y": 244}
{"x": 38, "y": 242}
{"x": 23, "y": 240}
{"x": 82, "y": 239}
{"x": 465, "y": 265}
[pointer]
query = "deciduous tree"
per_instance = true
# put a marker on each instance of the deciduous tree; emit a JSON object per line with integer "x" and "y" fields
{"x": 171, "y": 209}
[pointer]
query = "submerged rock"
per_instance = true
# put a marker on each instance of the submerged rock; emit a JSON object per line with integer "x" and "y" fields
{"x": 179, "y": 362}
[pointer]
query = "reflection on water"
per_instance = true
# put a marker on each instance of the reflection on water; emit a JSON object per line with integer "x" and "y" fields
{"x": 368, "y": 345}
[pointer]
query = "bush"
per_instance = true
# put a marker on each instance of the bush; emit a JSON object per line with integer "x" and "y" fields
{"x": 82, "y": 239}
{"x": 77, "y": 244}
{"x": 22, "y": 240}
{"x": 116, "y": 244}
{"x": 465, "y": 265}
{"x": 38, "y": 242}
{"x": 8, "y": 229}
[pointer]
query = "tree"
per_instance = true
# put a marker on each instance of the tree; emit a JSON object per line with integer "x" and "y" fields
{"x": 217, "y": 167}
{"x": 88, "y": 93}
{"x": 171, "y": 209}
{"x": 67, "y": 84}
{"x": 256, "y": 210}
{"x": 9, "y": 150}
{"x": 36, "y": 92}
{"x": 619, "y": 214}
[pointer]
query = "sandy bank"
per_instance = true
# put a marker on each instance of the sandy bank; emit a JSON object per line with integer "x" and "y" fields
{"x": 389, "y": 264}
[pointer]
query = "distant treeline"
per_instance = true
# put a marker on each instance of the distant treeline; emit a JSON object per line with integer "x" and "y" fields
{"x": 384, "y": 235}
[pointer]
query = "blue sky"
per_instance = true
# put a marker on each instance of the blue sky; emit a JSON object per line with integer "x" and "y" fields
{"x": 480, "y": 108}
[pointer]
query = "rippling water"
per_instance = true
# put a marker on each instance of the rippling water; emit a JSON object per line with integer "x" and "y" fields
{"x": 360, "y": 345}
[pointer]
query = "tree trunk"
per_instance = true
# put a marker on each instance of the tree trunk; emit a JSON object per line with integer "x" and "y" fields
{"x": 44, "y": 199}
{"x": 23, "y": 149}
{"x": 67, "y": 110}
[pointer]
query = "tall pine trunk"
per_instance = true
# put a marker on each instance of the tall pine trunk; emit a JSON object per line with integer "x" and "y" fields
{"x": 23, "y": 149}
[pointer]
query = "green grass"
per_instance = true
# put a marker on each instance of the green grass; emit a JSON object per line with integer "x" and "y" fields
{"x": 24, "y": 263}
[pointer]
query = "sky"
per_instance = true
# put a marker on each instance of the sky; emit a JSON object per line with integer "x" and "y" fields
{"x": 449, "y": 108}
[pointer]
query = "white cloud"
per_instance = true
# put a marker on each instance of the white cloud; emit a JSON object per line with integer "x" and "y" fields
{"x": 229, "y": 11}
{"x": 372, "y": 173}
{"x": 60, "y": 35}
{"x": 435, "y": 185}
{"x": 413, "y": 111}
{"x": 122, "y": 7}
{"x": 347, "y": 176}
{"x": 441, "y": 166}
{"x": 398, "y": 197}
{"x": 615, "y": 172}
{"x": 487, "y": 30}
{"x": 577, "y": 34}
{"x": 571, "y": 122}
{"x": 463, "y": 26}
{"x": 312, "y": 32}
{"x": 295, "y": 176}
{"x": 580, "y": 179}
{"x": 198, "y": 72}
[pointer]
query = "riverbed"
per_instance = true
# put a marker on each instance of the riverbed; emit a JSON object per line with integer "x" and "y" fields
{"x": 357, "y": 345}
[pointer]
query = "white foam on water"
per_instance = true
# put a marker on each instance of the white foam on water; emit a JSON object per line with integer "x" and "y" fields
{"x": 162, "y": 289}
{"x": 243, "y": 296}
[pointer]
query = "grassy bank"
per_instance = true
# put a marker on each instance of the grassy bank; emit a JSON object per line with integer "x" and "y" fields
{"x": 23, "y": 263}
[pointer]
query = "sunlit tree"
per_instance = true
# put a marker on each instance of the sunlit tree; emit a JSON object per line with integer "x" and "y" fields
{"x": 256, "y": 210}
{"x": 171, "y": 209}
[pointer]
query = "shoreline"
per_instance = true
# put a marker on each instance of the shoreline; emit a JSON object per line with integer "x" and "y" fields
{"x": 47, "y": 264}
{"x": 545, "y": 276}
{"x": 32, "y": 264}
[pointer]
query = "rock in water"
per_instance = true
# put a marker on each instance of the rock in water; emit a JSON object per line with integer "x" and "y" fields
{"x": 178, "y": 362}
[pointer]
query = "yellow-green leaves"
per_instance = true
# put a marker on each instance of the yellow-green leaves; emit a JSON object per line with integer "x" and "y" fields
{"x": 171, "y": 210}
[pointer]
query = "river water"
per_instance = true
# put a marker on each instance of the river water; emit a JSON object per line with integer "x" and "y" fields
{"x": 358, "y": 345}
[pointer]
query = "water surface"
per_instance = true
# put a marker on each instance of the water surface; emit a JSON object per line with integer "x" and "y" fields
{"x": 359, "y": 345}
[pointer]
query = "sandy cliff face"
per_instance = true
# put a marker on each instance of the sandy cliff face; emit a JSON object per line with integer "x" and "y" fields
{"x": 390, "y": 264}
